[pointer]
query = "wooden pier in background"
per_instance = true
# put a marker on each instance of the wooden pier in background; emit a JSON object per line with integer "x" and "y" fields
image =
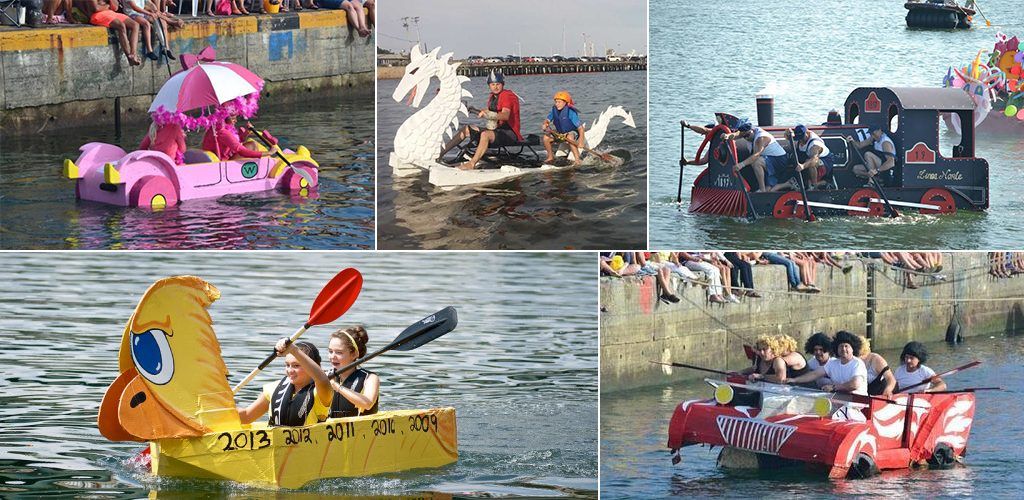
{"x": 544, "y": 68}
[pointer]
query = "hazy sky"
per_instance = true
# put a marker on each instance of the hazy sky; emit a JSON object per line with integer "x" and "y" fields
{"x": 488, "y": 27}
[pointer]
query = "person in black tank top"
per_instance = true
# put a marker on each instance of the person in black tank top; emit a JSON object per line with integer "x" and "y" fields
{"x": 356, "y": 390}
{"x": 777, "y": 355}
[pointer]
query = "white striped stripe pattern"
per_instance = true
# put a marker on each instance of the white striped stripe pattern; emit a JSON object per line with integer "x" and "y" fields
{"x": 754, "y": 435}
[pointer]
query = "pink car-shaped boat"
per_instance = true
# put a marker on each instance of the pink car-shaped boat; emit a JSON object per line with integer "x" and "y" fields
{"x": 105, "y": 173}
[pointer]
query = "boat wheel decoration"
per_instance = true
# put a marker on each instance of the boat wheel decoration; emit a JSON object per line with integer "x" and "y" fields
{"x": 862, "y": 198}
{"x": 788, "y": 206}
{"x": 939, "y": 197}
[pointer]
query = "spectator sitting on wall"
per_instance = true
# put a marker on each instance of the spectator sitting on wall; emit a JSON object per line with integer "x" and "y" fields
{"x": 808, "y": 266}
{"x": 103, "y": 13}
{"x": 619, "y": 264}
{"x": 57, "y": 12}
{"x": 725, "y": 271}
{"x": 742, "y": 272}
{"x": 661, "y": 273}
{"x": 695, "y": 262}
{"x": 792, "y": 272}
{"x": 358, "y": 19}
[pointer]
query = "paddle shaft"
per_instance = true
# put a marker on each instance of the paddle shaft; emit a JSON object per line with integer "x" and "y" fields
{"x": 881, "y": 192}
{"x": 248, "y": 378}
{"x": 954, "y": 371}
{"x": 692, "y": 367}
{"x": 752, "y": 215}
{"x": 565, "y": 137}
{"x": 808, "y": 216}
{"x": 682, "y": 159}
{"x": 412, "y": 337}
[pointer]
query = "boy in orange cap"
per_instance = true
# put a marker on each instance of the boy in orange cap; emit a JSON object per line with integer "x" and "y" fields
{"x": 562, "y": 120}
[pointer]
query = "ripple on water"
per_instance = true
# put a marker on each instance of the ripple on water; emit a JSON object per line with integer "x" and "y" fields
{"x": 521, "y": 368}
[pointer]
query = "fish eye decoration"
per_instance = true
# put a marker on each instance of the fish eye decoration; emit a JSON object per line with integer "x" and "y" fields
{"x": 152, "y": 355}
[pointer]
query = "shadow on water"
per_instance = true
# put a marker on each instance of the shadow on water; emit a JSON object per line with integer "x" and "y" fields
{"x": 38, "y": 208}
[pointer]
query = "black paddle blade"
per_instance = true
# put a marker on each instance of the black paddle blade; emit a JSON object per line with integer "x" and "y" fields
{"x": 427, "y": 329}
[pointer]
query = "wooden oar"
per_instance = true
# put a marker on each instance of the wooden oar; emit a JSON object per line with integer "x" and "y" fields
{"x": 693, "y": 367}
{"x": 954, "y": 371}
{"x": 417, "y": 334}
{"x": 808, "y": 216}
{"x": 978, "y": 8}
{"x": 969, "y": 389}
{"x": 301, "y": 173}
{"x": 335, "y": 298}
{"x": 751, "y": 213}
{"x": 682, "y": 159}
{"x": 565, "y": 137}
{"x": 878, "y": 187}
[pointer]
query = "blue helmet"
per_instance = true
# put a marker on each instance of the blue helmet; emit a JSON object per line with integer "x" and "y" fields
{"x": 496, "y": 77}
{"x": 799, "y": 132}
{"x": 874, "y": 127}
{"x": 743, "y": 126}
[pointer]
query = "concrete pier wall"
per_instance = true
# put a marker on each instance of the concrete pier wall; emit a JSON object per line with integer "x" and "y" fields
{"x": 69, "y": 76}
{"x": 636, "y": 328}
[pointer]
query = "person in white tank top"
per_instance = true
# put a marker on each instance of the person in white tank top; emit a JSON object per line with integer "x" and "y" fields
{"x": 880, "y": 158}
{"x": 812, "y": 155}
{"x": 767, "y": 157}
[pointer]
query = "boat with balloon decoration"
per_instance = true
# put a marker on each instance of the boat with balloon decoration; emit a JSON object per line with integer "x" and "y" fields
{"x": 995, "y": 82}
{"x": 929, "y": 176}
{"x": 166, "y": 173}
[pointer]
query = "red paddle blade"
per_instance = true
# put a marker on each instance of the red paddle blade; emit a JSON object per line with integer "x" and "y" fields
{"x": 337, "y": 296}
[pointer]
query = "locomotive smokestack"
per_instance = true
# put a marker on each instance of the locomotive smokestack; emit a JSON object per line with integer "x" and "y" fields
{"x": 765, "y": 110}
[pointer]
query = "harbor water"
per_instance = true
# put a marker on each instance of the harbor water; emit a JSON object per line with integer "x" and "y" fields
{"x": 715, "y": 57}
{"x": 520, "y": 368}
{"x": 590, "y": 207}
{"x": 635, "y": 462}
{"x": 38, "y": 209}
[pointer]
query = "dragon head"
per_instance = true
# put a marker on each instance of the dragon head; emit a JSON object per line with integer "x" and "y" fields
{"x": 421, "y": 68}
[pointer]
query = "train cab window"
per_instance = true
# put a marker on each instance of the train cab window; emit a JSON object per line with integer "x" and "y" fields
{"x": 951, "y": 144}
{"x": 854, "y": 114}
{"x": 894, "y": 118}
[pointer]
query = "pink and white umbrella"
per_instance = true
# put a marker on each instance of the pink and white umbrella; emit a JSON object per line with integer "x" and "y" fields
{"x": 205, "y": 84}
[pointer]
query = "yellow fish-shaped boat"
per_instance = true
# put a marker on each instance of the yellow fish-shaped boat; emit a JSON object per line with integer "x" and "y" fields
{"x": 173, "y": 381}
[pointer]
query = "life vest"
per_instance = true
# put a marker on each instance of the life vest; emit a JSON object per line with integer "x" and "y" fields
{"x": 341, "y": 407}
{"x": 293, "y": 408}
{"x": 513, "y": 116}
{"x": 563, "y": 122}
{"x": 773, "y": 148}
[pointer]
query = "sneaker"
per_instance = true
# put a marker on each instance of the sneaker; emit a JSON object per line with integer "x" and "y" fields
{"x": 732, "y": 298}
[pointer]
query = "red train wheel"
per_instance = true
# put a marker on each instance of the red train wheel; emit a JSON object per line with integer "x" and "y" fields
{"x": 862, "y": 198}
{"x": 786, "y": 206}
{"x": 940, "y": 197}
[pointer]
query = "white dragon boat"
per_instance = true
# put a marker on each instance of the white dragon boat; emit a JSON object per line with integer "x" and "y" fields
{"x": 419, "y": 139}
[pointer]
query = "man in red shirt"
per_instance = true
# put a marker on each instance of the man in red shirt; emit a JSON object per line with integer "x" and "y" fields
{"x": 502, "y": 115}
